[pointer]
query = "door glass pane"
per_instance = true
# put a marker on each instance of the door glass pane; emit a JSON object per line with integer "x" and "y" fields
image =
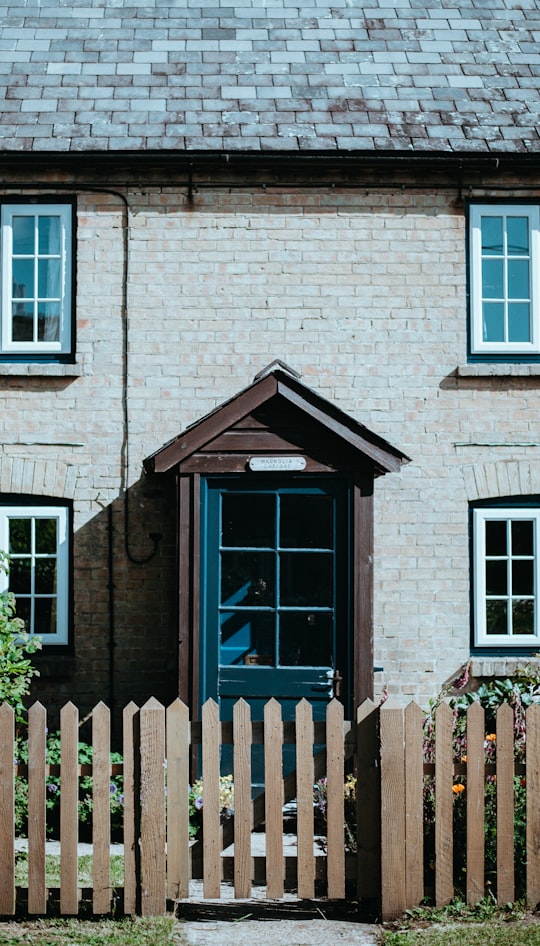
{"x": 247, "y": 578}
{"x": 496, "y": 537}
{"x": 523, "y": 617}
{"x": 306, "y": 579}
{"x": 306, "y": 522}
{"x": 247, "y": 638}
{"x": 496, "y": 617}
{"x": 248, "y": 520}
{"x": 305, "y": 640}
{"x": 492, "y": 236}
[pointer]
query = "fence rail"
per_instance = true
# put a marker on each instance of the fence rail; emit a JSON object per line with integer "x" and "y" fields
{"x": 420, "y": 811}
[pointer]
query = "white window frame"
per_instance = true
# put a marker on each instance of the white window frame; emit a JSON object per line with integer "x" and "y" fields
{"x": 476, "y": 213}
{"x": 60, "y": 513}
{"x": 63, "y": 345}
{"x": 480, "y": 517}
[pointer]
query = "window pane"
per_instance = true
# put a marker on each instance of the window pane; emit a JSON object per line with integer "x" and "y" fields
{"x": 517, "y": 229}
{"x": 24, "y": 606}
{"x": 496, "y": 537}
{"x": 305, "y": 640}
{"x": 46, "y": 536}
{"x": 23, "y": 279}
{"x": 492, "y": 235}
{"x": 518, "y": 279}
{"x": 306, "y": 579}
{"x": 247, "y": 578}
{"x": 523, "y": 617}
{"x": 522, "y": 537}
{"x": 519, "y": 322}
{"x": 496, "y": 617}
{"x": 23, "y": 235}
{"x": 244, "y": 635}
{"x": 20, "y": 535}
{"x": 248, "y": 519}
{"x": 493, "y": 279}
{"x": 20, "y": 576}
{"x": 45, "y": 576}
{"x": 23, "y": 322}
{"x": 49, "y": 279}
{"x": 493, "y": 322}
{"x": 496, "y": 578}
{"x": 307, "y": 522}
{"x": 523, "y": 577}
{"x": 49, "y": 229}
{"x": 49, "y": 322}
{"x": 44, "y": 616}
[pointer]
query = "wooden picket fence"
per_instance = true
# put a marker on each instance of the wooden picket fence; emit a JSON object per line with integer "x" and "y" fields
{"x": 384, "y": 747}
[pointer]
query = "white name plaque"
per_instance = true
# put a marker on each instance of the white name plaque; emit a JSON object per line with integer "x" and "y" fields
{"x": 263, "y": 464}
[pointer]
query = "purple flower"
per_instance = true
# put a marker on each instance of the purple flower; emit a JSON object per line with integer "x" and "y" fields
{"x": 198, "y": 803}
{"x": 52, "y": 787}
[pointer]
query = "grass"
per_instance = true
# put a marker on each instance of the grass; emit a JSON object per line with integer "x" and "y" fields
{"x": 140, "y": 931}
{"x": 485, "y": 924}
{"x": 464, "y": 933}
{"x": 52, "y": 870}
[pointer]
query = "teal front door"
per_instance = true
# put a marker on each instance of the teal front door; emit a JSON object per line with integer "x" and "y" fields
{"x": 274, "y": 601}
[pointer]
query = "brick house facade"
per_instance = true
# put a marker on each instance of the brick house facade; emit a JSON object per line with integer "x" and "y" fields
{"x": 311, "y": 190}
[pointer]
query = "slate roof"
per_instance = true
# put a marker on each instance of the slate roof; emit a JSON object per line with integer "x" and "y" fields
{"x": 293, "y": 75}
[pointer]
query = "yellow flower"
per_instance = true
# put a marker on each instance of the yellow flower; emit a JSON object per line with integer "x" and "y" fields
{"x": 491, "y": 737}
{"x": 463, "y": 758}
{"x": 457, "y": 789}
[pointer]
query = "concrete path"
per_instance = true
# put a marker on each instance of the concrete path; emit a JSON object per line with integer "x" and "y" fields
{"x": 280, "y": 933}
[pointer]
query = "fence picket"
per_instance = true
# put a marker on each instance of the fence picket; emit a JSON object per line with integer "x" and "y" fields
{"x": 533, "y": 808}
{"x": 101, "y": 809}
{"x": 37, "y": 726}
{"x": 505, "y": 805}
{"x": 69, "y": 809}
{"x": 242, "y": 799}
{"x": 475, "y": 803}
{"x": 273, "y": 775}
{"x": 393, "y": 809}
{"x": 414, "y": 821}
{"x": 444, "y": 838}
{"x": 7, "y": 811}
{"x": 335, "y": 758}
{"x": 304, "y": 791}
{"x": 177, "y": 800}
{"x": 210, "y": 775}
{"x": 131, "y": 743}
{"x": 153, "y": 893}
{"x": 368, "y": 802}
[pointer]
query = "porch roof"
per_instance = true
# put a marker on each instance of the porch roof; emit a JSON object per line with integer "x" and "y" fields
{"x": 279, "y": 382}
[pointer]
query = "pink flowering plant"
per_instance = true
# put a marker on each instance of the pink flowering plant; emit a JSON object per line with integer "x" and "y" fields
{"x": 519, "y": 692}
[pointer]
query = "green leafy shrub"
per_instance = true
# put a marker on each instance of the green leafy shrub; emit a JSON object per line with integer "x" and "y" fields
{"x": 52, "y": 795}
{"x": 196, "y": 803}
{"x": 16, "y": 670}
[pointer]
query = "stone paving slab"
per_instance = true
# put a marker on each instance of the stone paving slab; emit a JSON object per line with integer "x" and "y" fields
{"x": 300, "y": 932}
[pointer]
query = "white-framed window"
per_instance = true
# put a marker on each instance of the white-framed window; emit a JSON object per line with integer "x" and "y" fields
{"x": 37, "y": 541}
{"x": 506, "y": 576}
{"x": 36, "y": 278}
{"x": 504, "y": 279}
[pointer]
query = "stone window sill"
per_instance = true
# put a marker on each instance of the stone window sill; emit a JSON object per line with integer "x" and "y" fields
{"x": 498, "y": 370}
{"x": 42, "y": 370}
{"x": 498, "y": 666}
